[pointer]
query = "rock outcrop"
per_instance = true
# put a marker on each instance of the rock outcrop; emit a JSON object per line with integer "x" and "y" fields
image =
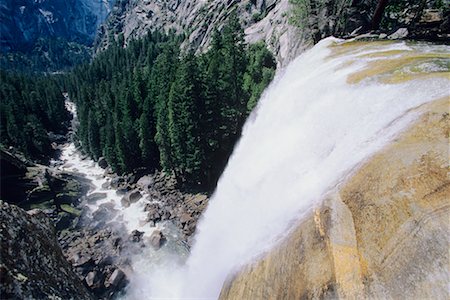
{"x": 266, "y": 20}
{"x": 32, "y": 265}
{"x": 382, "y": 235}
{"x": 288, "y": 27}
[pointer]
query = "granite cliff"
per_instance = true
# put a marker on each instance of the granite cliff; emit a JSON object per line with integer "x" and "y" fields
{"x": 288, "y": 27}
{"x": 382, "y": 234}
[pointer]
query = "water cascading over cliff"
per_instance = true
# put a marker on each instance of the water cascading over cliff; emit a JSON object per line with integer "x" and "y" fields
{"x": 329, "y": 111}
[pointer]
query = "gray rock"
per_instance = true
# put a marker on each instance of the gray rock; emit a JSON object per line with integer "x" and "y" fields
{"x": 157, "y": 239}
{"x": 401, "y": 33}
{"x": 144, "y": 182}
{"x": 95, "y": 197}
{"x": 115, "y": 279}
{"x": 32, "y": 263}
{"x": 136, "y": 236}
{"x": 102, "y": 163}
{"x": 93, "y": 279}
{"x": 131, "y": 197}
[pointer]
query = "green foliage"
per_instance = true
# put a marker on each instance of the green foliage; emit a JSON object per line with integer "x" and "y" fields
{"x": 301, "y": 10}
{"x": 159, "y": 109}
{"x": 30, "y": 108}
{"x": 46, "y": 55}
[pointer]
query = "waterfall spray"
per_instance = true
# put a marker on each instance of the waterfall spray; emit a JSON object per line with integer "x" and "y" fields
{"x": 329, "y": 111}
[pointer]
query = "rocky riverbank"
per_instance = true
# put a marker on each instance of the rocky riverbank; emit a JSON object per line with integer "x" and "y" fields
{"x": 92, "y": 236}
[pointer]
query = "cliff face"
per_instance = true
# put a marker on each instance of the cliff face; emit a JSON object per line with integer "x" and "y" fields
{"x": 266, "y": 20}
{"x": 288, "y": 27}
{"x": 24, "y": 21}
{"x": 32, "y": 265}
{"x": 383, "y": 234}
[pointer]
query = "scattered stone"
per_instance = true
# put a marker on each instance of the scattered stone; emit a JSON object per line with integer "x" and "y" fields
{"x": 136, "y": 236}
{"x": 94, "y": 197}
{"x": 115, "y": 279}
{"x": 134, "y": 196}
{"x": 131, "y": 197}
{"x": 144, "y": 182}
{"x": 157, "y": 239}
{"x": 430, "y": 16}
{"x": 401, "y": 33}
{"x": 101, "y": 214}
{"x": 93, "y": 280}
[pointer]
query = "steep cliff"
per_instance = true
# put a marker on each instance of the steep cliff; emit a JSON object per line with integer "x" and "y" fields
{"x": 381, "y": 234}
{"x": 288, "y": 27}
{"x": 32, "y": 265}
{"x": 266, "y": 20}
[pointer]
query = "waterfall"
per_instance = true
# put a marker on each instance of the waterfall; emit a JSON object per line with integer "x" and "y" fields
{"x": 325, "y": 114}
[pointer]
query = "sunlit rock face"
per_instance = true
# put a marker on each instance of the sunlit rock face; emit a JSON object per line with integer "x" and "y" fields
{"x": 25, "y": 21}
{"x": 382, "y": 234}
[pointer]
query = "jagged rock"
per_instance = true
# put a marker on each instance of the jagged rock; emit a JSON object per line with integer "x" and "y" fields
{"x": 32, "y": 264}
{"x": 401, "y": 33}
{"x": 157, "y": 239}
{"x": 185, "y": 218}
{"x": 102, "y": 214}
{"x": 102, "y": 163}
{"x": 430, "y": 16}
{"x": 136, "y": 236}
{"x": 144, "y": 182}
{"x": 93, "y": 280}
{"x": 110, "y": 208}
{"x": 115, "y": 279}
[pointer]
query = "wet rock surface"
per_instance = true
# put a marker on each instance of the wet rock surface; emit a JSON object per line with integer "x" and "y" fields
{"x": 98, "y": 258}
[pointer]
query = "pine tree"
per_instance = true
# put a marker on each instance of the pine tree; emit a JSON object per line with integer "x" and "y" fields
{"x": 184, "y": 127}
{"x": 163, "y": 74}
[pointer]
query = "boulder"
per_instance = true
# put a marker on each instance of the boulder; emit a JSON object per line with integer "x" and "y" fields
{"x": 93, "y": 280}
{"x": 94, "y": 197}
{"x": 401, "y": 33}
{"x": 102, "y": 163}
{"x": 136, "y": 236}
{"x": 115, "y": 279}
{"x": 115, "y": 182}
{"x": 131, "y": 197}
{"x": 101, "y": 214}
{"x": 144, "y": 182}
{"x": 157, "y": 239}
{"x": 431, "y": 16}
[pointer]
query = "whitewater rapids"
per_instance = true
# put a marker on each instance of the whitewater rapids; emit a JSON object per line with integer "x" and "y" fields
{"x": 311, "y": 129}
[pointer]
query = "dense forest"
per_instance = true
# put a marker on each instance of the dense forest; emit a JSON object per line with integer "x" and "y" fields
{"x": 149, "y": 105}
{"x": 30, "y": 108}
{"x": 46, "y": 55}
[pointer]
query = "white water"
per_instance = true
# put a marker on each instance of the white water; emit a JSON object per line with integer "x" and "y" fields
{"x": 131, "y": 217}
{"x": 310, "y": 131}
